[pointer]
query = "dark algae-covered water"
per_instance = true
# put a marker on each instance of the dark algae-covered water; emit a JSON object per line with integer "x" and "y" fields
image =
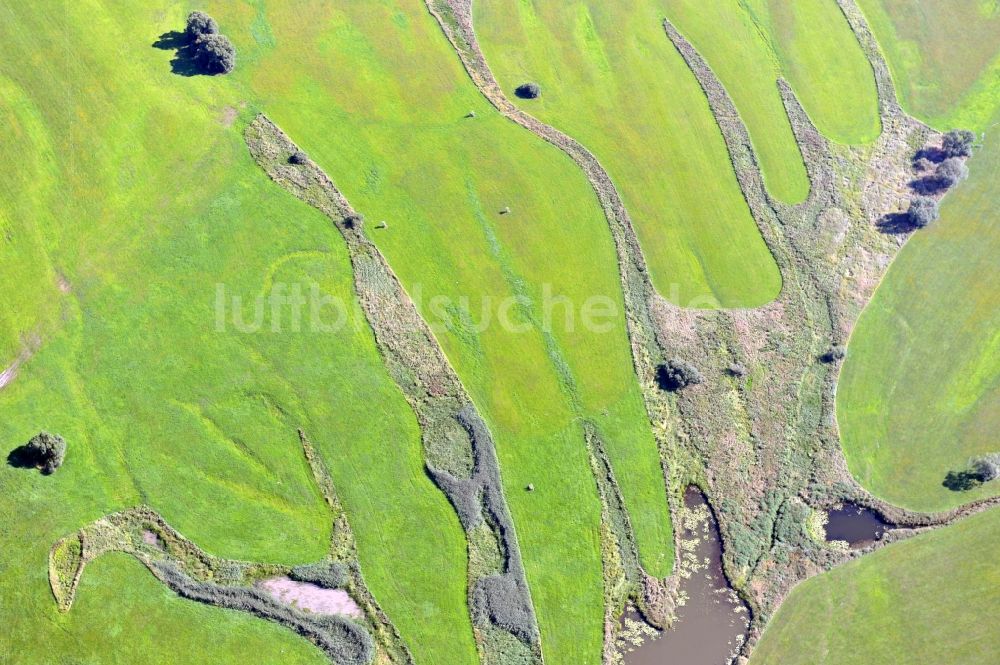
{"x": 712, "y": 623}
{"x": 856, "y": 525}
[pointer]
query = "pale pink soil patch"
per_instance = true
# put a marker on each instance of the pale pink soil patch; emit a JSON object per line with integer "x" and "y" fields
{"x": 150, "y": 538}
{"x": 8, "y": 374}
{"x": 310, "y": 597}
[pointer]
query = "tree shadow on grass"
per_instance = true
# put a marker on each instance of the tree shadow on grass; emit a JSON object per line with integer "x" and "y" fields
{"x": 962, "y": 481}
{"x": 22, "y": 457}
{"x": 185, "y": 62}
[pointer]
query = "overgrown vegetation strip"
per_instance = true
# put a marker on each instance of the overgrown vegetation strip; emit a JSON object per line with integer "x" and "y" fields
{"x": 459, "y": 448}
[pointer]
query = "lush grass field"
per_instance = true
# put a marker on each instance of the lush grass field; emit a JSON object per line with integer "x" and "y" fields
{"x": 127, "y": 198}
{"x": 945, "y": 57}
{"x": 374, "y": 93}
{"x": 733, "y": 45}
{"x": 920, "y": 390}
{"x": 123, "y": 615}
{"x": 823, "y": 61}
{"x": 929, "y": 600}
{"x": 635, "y": 104}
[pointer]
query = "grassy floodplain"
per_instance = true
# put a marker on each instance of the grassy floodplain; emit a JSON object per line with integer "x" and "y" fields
{"x": 377, "y": 97}
{"x": 944, "y": 57}
{"x": 733, "y": 45}
{"x": 611, "y": 79}
{"x": 824, "y": 63}
{"x": 929, "y": 599}
{"x": 920, "y": 390}
{"x": 128, "y": 196}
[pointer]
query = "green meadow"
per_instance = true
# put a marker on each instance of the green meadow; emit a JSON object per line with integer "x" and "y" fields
{"x": 144, "y": 200}
{"x": 377, "y": 97}
{"x": 611, "y": 79}
{"x": 935, "y": 314}
{"x": 737, "y": 51}
{"x": 822, "y": 60}
{"x": 129, "y": 200}
{"x": 929, "y": 599}
{"x": 920, "y": 391}
{"x": 123, "y": 615}
{"x": 944, "y": 57}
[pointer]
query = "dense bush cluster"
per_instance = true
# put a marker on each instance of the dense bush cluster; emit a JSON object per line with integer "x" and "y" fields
{"x": 958, "y": 143}
{"x": 987, "y": 467}
{"x": 835, "y": 353}
{"x": 923, "y": 210}
{"x": 950, "y": 172}
{"x": 501, "y": 599}
{"x": 528, "y": 90}
{"x": 210, "y": 50}
{"x": 677, "y": 374}
{"x": 790, "y": 525}
{"x": 45, "y": 451}
{"x": 329, "y": 575}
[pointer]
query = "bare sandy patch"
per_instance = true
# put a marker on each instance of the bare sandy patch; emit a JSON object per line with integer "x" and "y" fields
{"x": 310, "y": 597}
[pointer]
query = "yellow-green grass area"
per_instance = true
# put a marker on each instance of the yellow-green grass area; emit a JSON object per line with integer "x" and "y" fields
{"x": 375, "y": 94}
{"x": 734, "y": 47}
{"x": 821, "y": 58}
{"x": 129, "y": 203}
{"x": 123, "y": 615}
{"x": 920, "y": 389}
{"x": 611, "y": 78}
{"x": 945, "y": 57}
{"x": 930, "y": 599}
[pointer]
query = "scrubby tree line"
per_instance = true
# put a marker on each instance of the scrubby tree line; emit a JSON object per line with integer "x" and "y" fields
{"x": 956, "y": 146}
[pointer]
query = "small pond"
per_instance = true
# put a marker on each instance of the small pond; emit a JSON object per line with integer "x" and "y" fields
{"x": 858, "y": 526}
{"x": 712, "y": 624}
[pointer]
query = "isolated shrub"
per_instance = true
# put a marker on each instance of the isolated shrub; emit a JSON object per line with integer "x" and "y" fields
{"x": 677, "y": 374}
{"x": 329, "y": 575}
{"x": 951, "y": 171}
{"x": 298, "y": 157}
{"x": 200, "y": 23}
{"x": 736, "y": 369}
{"x": 958, "y": 143}
{"x": 528, "y": 90}
{"x": 835, "y": 353}
{"x": 923, "y": 210}
{"x": 987, "y": 468}
{"x": 46, "y": 451}
{"x": 215, "y": 54}
{"x": 355, "y": 220}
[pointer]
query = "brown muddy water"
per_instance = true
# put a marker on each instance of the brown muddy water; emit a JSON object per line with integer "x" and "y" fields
{"x": 712, "y": 623}
{"x": 859, "y": 527}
